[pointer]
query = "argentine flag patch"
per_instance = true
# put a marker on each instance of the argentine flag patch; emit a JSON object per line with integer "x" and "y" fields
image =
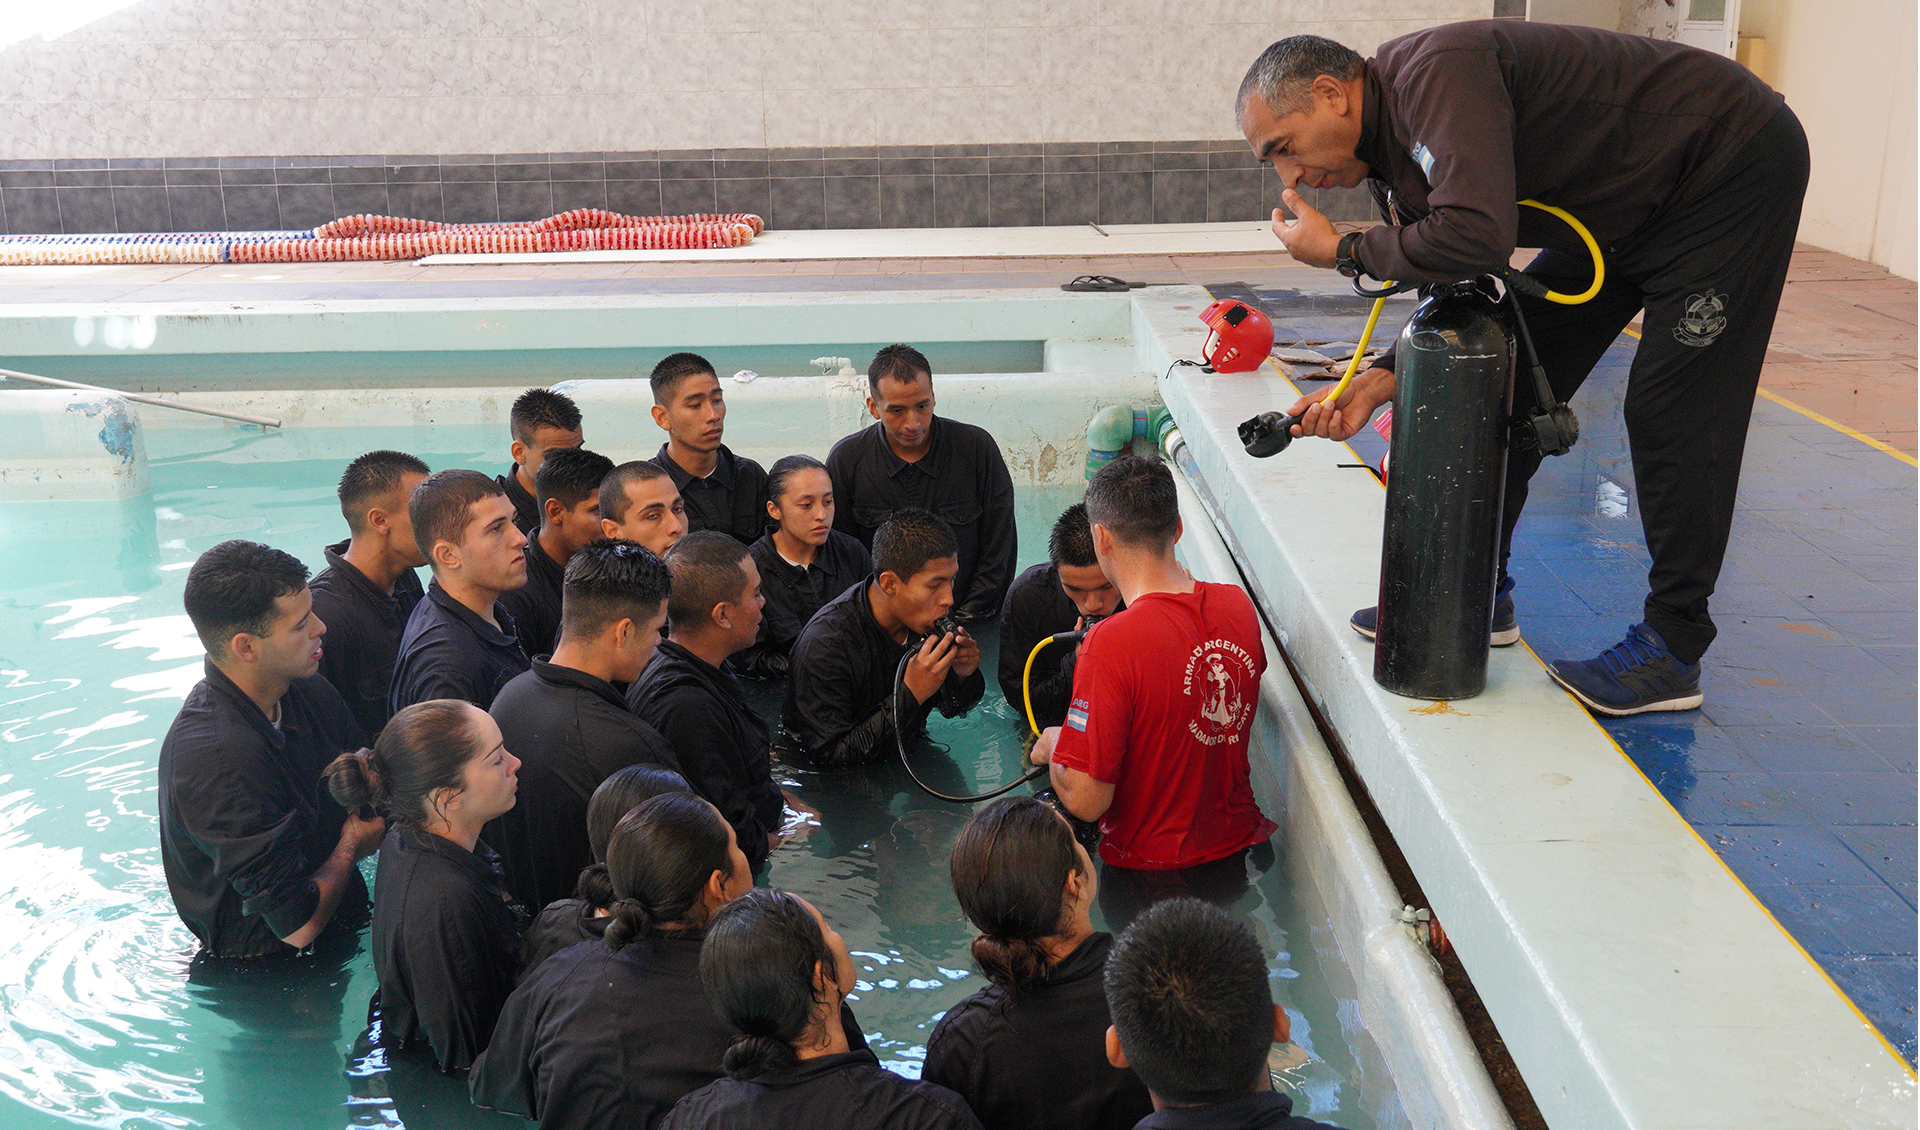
{"x": 1077, "y": 715}
{"x": 1423, "y": 157}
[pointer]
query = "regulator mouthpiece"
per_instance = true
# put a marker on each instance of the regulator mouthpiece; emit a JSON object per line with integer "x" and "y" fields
{"x": 1267, "y": 434}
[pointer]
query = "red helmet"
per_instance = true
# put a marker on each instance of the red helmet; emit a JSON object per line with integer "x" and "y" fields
{"x": 1240, "y": 338}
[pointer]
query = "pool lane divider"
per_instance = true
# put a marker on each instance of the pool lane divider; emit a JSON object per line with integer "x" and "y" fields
{"x": 374, "y": 238}
{"x": 1635, "y": 981}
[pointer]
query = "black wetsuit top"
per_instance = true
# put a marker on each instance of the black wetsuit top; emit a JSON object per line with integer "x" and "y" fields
{"x": 839, "y": 703}
{"x": 733, "y": 499}
{"x": 446, "y": 944}
{"x": 363, "y": 634}
{"x": 535, "y": 606}
{"x": 448, "y": 652}
{"x": 570, "y": 731}
{"x": 850, "y": 1091}
{"x": 1262, "y": 1110}
{"x": 526, "y": 508}
{"x": 962, "y": 479}
{"x": 720, "y": 745}
{"x": 596, "y": 1037}
{"x": 244, "y": 818}
{"x": 1039, "y": 1057}
{"x": 794, "y": 593}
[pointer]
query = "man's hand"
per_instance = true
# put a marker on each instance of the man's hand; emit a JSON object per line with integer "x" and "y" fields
{"x": 1042, "y": 751}
{"x": 966, "y": 659}
{"x": 927, "y": 670}
{"x": 362, "y": 837}
{"x": 1309, "y": 237}
{"x": 1367, "y": 391}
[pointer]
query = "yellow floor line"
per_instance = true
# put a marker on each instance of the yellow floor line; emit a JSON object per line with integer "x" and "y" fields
{"x": 1721, "y": 860}
{"x": 1817, "y": 418}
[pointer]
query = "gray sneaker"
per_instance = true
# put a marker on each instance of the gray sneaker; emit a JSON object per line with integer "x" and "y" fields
{"x": 1504, "y": 632}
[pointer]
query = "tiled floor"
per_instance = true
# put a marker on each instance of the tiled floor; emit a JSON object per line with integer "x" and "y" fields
{"x": 1800, "y": 769}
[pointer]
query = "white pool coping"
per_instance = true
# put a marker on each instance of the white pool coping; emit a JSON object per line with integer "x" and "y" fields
{"x": 1636, "y": 982}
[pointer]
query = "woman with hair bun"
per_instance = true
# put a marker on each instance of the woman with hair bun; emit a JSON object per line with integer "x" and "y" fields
{"x": 778, "y": 973}
{"x": 585, "y": 916}
{"x": 613, "y": 1032}
{"x": 445, "y": 938}
{"x": 1029, "y": 1049}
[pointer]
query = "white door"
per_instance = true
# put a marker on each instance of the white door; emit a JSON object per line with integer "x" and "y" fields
{"x": 1713, "y": 25}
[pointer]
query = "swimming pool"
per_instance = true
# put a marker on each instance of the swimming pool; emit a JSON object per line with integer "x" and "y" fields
{"x": 107, "y": 1022}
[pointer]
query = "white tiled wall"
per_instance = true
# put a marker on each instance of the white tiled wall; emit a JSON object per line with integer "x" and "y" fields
{"x": 228, "y": 77}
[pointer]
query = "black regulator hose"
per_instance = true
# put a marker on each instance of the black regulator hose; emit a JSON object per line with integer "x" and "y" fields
{"x": 900, "y": 742}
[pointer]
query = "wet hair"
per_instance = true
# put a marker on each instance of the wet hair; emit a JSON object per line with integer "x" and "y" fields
{"x": 706, "y": 568}
{"x": 442, "y": 504}
{"x": 659, "y": 860}
{"x": 1071, "y": 542}
{"x": 621, "y": 793}
{"x": 667, "y": 375}
{"x": 1134, "y": 498}
{"x": 1285, "y": 71}
{"x": 421, "y": 750}
{"x": 232, "y": 588}
{"x": 786, "y": 468}
{"x": 1187, "y": 988}
{"x": 374, "y": 475}
{"x": 539, "y": 408}
{"x": 908, "y": 539}
{"x": 901, "y": 363}
{"x": 570, "y": 475}
{"x": 757, "y": 966}
{"x": 1010, "y": 866}
{"x": 613, "y": 488}
{"x": 606, "y": 581}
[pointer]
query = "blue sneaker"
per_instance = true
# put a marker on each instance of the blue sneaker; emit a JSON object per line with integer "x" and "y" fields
{"x": 1505, "y": 631}
{"x": 1635, "y": 676}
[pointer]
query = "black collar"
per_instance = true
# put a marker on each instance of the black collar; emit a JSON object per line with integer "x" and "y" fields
{"x": 482, "y": 862}
{"x": 465, "y": 615}
{"x": 1260, "y": 1109}
{"x": 930, "y": 464}
{"x": 1376, "y": 146}
{"x": 723, "y": 469}
{"x": 554, "y": 674}
{"x": 807, "y": 1070}
{"x": 224, "y": 686}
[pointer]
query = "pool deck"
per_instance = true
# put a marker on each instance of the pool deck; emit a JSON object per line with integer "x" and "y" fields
{"x": 1800, "y": 770}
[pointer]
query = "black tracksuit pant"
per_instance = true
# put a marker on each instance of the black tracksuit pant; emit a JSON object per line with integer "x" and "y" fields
{"x": 1709, "y": 277}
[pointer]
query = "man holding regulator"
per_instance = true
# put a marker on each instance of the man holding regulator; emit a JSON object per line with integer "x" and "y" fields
{"x": 1689, "y": 172}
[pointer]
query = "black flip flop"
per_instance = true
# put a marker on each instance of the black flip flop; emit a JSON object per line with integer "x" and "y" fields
{"x": 1100, "y": 283}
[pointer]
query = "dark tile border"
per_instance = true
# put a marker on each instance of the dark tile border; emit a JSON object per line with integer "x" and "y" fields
{"x": 1001, "y": 185}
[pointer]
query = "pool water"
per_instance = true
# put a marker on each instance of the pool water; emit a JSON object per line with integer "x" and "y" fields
{"x": 105, "y": 1019}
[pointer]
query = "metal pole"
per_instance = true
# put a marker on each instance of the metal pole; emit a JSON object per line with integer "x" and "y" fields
{"x": 1448, "y": 460}
{"x": 222, "y": 413}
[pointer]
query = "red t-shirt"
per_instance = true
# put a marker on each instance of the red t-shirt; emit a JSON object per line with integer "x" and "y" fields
{"x": 1163, "y": 698}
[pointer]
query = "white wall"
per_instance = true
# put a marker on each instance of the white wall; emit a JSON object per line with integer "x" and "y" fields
{"x": 238, "y": 77}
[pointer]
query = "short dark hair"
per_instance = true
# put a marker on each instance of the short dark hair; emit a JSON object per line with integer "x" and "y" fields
{"x": 542, "y": 408}
{"x": 232, "y": 587}
{"x": 908, "y": 539}
{"x": 421, "y": 750}
{"x": 1283, "y": 73}
{"x": 786, "y": 468}
{"x": 757, "y": 966}
{"x": 659, "y": 860}
{"x": 677, "y": 367}
{"x": 1071, "y": 542}
{"x": 706, "y": 570}
{"x": 901, "y": 363}
{"x": 1009, "y": 867}
{"x": 1187, "y": 989}
{"x": 613, "y": 488}
{"x": 570, "y": 475}
{"x": 606, "y": 581}
{"x": 443, "y": 503}
{"x": 1135, "y": 499}
{"x": 371, "y": 476}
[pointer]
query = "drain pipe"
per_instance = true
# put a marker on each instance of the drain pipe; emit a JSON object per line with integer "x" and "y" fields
{"x": 1114, "y": 428}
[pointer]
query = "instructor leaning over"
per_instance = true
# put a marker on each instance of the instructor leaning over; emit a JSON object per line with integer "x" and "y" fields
{"x": 1689, "y": 172}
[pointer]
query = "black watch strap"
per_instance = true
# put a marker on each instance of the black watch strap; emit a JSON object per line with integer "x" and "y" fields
{"x": 1343, "y": 260}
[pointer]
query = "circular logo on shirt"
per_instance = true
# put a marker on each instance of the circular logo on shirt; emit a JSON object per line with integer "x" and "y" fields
{"x": 1213, "y": 682}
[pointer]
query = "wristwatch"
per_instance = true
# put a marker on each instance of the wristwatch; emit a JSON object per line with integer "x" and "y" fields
{"x": 1343, "y": 260}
